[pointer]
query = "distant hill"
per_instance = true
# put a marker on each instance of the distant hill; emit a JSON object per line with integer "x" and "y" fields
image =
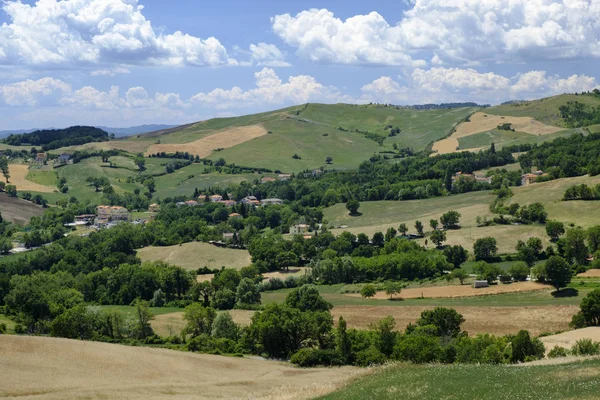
{"x": 6, "y": 133}
{"x": 51, "y": 139}
{"x": 136, "y": 130}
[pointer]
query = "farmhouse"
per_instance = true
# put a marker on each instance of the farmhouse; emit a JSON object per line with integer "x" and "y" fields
{"x": 41, "y": 158}
{"x": 84, "y": 219}
{"x": 111, "y": 213}
{"x": 64, "y": 158}
{"x": 202, "y": 197}
{"x": 271, "y": 202}
{"x": 284, "y": 177}
{"x": 215, "y": 198}
{"x": 191, "y": 203}
{"x": 528, "y": 179}
{"x": 250, "y": 200}
{"x": 299, "y": 229}
{"x": 228, "y": 203}
{"x": 154, "y": 207}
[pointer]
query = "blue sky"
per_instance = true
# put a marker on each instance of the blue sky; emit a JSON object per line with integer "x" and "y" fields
{"x": 129, "y": 62}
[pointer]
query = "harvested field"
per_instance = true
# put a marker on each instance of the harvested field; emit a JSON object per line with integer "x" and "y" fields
{"x": 482, "y": 122}
{"x": 18, "y": 210}
{"x": 568, "y": 339}
{"x": 18, "y": 174}
{"x": 51, "y": 368}
{"x": 219, "y": 140}
{"x": 590, "y": 273}
{"x": 493, "y": 320}
{"x": 461, "y": 291}
{"x": 194, "y": 255}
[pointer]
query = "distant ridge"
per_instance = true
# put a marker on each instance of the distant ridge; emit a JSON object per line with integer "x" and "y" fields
{"x": 118, "y": 132}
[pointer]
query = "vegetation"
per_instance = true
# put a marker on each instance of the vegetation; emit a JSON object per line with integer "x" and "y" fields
{"x": 56, "y": 138}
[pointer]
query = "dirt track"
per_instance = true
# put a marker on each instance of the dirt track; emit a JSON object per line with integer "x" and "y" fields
{"x": 461, "y": 291}
{"x": 219, "y": 140}
{"x": 50, "y": 368}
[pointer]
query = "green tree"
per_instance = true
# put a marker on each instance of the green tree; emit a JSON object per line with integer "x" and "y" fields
{"x": 438, "y": 237}
{"x": 419, "y": 228}
{"x": 460, "y": 274}
{"x": 590, "y": 308}
{"x": 378, "y": 239}
{"x": 11, "y": 190}
{"x": 575, "y": 248}
{"x": 199, "y": 320}
{"x": 5, "y": 245}
{"x": 343, "y": 344}
{"x": 433, "y": 223}
{"x": 352, "y": 206}
{"x": 558, "y": 272}
{"x": 247, "y": 294}
{"x": 403, "y": 229}
{"x": 328, "y": 159}
{"x": 223, "y": 327}
{"x": 307, "y": 298}
{"x": 524, "y": 348}
{"x": 519, "y": 271}
{"x": 485, "y": 248}
{"x": 4, "y": 168}
{"x": 593, "y": 238}
{"x": 142, "y": 328}
{"x": 390, "y": 234}
{"x": 450, "y": 220}
{"x": 446, "y": 321}
{"x": 456, "y": 255}
{"x": 385, "y": 335}
{"x": 75, "y": 323}
{"x": 368, "y": 290}
{"x": 488, "y": 272}
{"x": 392, "y": 288}
{"x": 554, "y": 229}
{"x": 448, "y": 180}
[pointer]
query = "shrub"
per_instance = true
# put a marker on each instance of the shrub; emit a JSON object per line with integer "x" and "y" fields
{"x": 418, "y": 348}
{"x": 586, "y": 347}
{"x": 525, "y": 348}
{"x": 223, "y": 299}
{"x": 291, "y": 282}
{"x": 3, "y": 328}
{"x": 557, "y": 351}
{"x": 315, "y": 357}
{"x": 368, "y": 357}
{"x": 519, "y": 271}
{"x": 276, "y": 284}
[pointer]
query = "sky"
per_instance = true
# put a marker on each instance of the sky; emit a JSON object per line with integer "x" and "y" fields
{"x": 121, "y": 63}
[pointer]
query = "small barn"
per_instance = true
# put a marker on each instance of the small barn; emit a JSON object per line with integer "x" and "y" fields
{"x": 480, "y": 284}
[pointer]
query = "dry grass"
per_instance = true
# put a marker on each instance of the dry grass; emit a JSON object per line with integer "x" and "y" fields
{"x": 219, "y": 140}
{"x": 137, "y": 146}
{"x": 194, "y": 255}
{"x": 590, "y": 273}
{"x": 18, "y": 174}
{"x": 50, "y": 368}
{"x": 481, "y": 122}
{"x": 568, "y": 339}
{"x": 493, "y": 320}
{"x": 172, "y": 323}
{"x": 299, "y": 271}
{"x": 461, "y": 291}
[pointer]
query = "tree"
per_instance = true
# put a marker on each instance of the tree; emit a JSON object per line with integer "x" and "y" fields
{"x": 519, "y": 271}
{"x": 11, "y": 190}
{"x": 224, "y": 327}
{"x": 307, "y": 298}
{"x": 575, "y": 248}
{"x": 523, "y": 347}
{"x": 403, "y": 229}
{"x": 419, "y": 227}
{"x": 448, "y": 180}
{"x": 4, "y": 168}
{"x": 529, "y": 252}
{"x": 446, "y": 321}
{"x": 385, "y": 335}
{"x": 392, "y": 288}
{"x": 460, "y": 274}
{"x": 438, "y": 237}
{"x": 5, "y": 244}
{"x": 433, "y": 223}
{"x": 456, "y": 255}
{"x": 328, "y": 159}
{"x": 368, "y": 290}
{"x": 554, "y": 229}
{"x": 352, "y": 206}
{"x": 199, "y": 320}
{"x": 450, "y": 220}
{"x": 485, "y": 248}
{"x": 390, "y": 234}
{"x": 378, "y": 239}
{"x": 343, "y": 344}
{"x": 247, "y": 293}
{"x": 142, "y": 328}
{"x": 558, "y": 272}
{"x": 590, "y": 308}
{"x": 593, "y": 238}
{"x": 488, "y": 272}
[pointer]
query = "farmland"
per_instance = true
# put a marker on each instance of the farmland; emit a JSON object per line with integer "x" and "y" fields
{"x": 18, "y": 210}
{"x": 195, "y": 255}
{"x": 77, "y": 369}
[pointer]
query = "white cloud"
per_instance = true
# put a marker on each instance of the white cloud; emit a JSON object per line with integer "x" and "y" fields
{"x": 31, "y": 92}
{"x": 270, "y": 89}
{"x": 459, "y": 32}
{"x": 438, "y": 85}
{"x": 110, "y": 72}
{"x": 268, "y": 55}
{"x": 90, "y": 32}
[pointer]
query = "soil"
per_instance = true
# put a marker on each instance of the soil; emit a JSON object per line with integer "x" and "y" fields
{"x": 18, "y": 210}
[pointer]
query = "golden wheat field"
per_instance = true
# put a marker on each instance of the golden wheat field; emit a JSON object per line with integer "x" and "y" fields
{"x": 50, "y": 368}
{"x": 18, "y": 173}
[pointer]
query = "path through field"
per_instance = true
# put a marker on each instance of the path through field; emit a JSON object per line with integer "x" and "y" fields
{"x": 50, "y": 368}
{"x": 18, "y": 172}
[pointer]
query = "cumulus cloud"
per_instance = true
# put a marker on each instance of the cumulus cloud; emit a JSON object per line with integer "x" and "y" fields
{"x": 90, "y": 32}
{"x": 270, "y": 89}
{"x": 31, "y": 92}
{"x": 440, "y": 84}
{"x": 459, "y": 32}
{"x": 268, "y": 55}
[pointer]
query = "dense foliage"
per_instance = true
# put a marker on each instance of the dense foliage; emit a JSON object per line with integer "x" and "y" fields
{"x": 51, "y": 139}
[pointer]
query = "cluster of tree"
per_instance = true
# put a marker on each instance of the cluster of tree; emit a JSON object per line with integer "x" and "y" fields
{"x": 51, "y": 139}
{"x": 184, "y": 155}
{"x": 582, "y": 192}
{"x": 505, "y": 127}
{"x": 576, "y": 114}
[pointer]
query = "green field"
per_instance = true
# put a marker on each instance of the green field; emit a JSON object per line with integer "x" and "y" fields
{"x": 577, "y": 380}
{"x": 509, "y": 138}
{"x": 42, "y": 177}
{"x": 194, "y": 255}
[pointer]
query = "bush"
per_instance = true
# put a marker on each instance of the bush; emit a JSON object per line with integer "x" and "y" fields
{"x": 3, "y": 328}
{"x": 291, "y": 282}
{"x": 223, "y": 299}
{"x": 586, "y": 347}
{"x": 276, "y": 284}
{"x": 315, "y": 357}
{"x": 369, "y": 357}
{"x": 418, "y": 348}
{"x": 519, "y": 271}
{"x": 557, "y": 351}
{"x": 525, "y": 348}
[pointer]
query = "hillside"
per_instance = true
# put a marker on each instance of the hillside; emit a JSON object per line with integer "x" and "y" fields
{"x": 17, "y": 210}
{"x": 48, "y": 368}
{"x": 55, "y": 138}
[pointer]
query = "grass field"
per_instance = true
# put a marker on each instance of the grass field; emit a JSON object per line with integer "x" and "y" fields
{"x": 379, "y": 215}
{"x": 577, "y": 380}
{"x": 51, "y": 368}
{"x": 192, "y": 256}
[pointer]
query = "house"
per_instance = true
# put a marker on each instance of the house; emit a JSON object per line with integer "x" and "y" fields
{"x": 41, "y": 158}
{"x": 154, "y": 207}
{"x": 111, "y": 213}
{"x": 191, "y": 203}
{"x": 267, "y": 179}
{"x": 85, "y": 218}
{"x": 234, "y": 216}
{"x": 299, "y": 229}
{"x": 202, "y": 198}
{"x": 480, "y": 284}
{"x": 228, "y": 236}
{"x": 215, "y": 198}
{"x": 228, "y": 203}
{"x": 250, "y": 201}
{"x": 483, "y": 178}
{"x": 284, "y": 177}
{"x": 64, "y": 158}
{"x": 270, "y": 202}
{"x": 528, "y": 179}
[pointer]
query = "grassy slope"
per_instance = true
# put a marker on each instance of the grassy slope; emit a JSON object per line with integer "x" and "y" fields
{"x": 509, "y": 138}
{"x": 196, "y": 255}
{"x": 379, "y": 215}
{"x": 579, "y": 380}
